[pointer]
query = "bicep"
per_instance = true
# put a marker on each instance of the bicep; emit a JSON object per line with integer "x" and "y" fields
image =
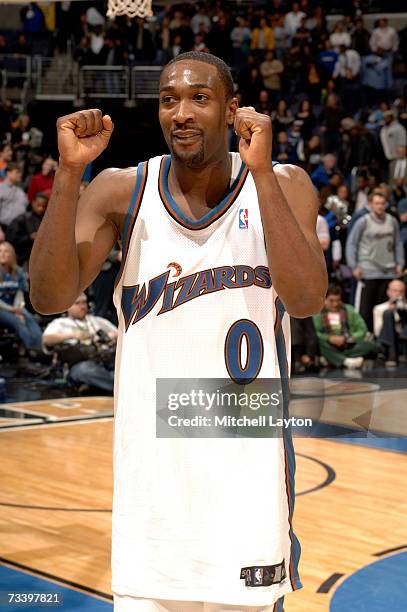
{"x": 302, "y": 199}
{"x": 95, "y": 233}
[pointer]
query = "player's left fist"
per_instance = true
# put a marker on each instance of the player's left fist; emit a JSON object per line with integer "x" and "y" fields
{"x": 256, "y": 136}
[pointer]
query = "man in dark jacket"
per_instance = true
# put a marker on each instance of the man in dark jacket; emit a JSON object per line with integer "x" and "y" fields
{"x": 22, "y": 231}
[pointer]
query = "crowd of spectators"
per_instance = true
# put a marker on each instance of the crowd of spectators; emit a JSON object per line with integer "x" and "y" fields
{"x": 337, "y": 100}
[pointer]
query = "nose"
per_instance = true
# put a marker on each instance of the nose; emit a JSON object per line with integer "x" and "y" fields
{"x": 183, "y": 112}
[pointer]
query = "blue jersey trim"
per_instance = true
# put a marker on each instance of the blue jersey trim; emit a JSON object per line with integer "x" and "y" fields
{"x": 209, "y": 216}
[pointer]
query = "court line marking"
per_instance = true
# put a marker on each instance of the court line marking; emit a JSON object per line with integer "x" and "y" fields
{"x": 331, "y": 475}
{"x": 53, "y": 508}
{"x": 82, "y": 398}
{"x": 76, "y": 421}
{"x": 326, "y": 586}
{"x": 389, "y": 551}
{"x": 63, "y": 581}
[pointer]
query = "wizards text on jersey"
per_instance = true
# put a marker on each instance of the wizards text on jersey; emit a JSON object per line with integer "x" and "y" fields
{"x": 138, "y": 302}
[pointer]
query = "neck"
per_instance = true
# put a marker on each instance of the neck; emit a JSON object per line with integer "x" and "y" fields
{"x": 380, "y": 217}
{"x": 200, "y": 186}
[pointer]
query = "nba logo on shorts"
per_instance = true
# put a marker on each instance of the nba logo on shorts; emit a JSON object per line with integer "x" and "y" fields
{"x": 243, "y": 218}
{"x": 258, "y": 575}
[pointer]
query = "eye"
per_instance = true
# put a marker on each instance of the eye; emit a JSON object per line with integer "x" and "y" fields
{"x": 200, "y": 97}
{"x": 167, "y": 99}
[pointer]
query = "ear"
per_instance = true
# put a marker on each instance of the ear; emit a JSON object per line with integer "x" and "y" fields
{"x": 232, "y": 107}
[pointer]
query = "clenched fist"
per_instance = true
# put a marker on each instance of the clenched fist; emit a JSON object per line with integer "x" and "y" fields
{"x": 255, "y": 133}
{"x": 83, "y": 136}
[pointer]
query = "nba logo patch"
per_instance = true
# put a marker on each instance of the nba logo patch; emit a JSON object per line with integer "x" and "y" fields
{"x": 258, "y": 576}
{"x": 243, "y": 218}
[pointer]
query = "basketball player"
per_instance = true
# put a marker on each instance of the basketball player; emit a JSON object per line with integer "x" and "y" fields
{"x": 217, "y": 246}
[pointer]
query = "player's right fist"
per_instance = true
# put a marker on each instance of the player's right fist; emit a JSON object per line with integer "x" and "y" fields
{"x": 83, "y": 136}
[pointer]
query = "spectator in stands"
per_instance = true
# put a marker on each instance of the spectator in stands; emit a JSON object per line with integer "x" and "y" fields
{"x": 322, "y": 174}
{"x": 377, "y": 77}
{"x": 241, "y": 40}
{"x": 293, "y": 19}
{"x": 24, "y": 137}
{"x": 392, "y": 135}
{"x": 21, "y": 46}
{"x": 341, "y": 332}
{"x": 251, "y": 86}
{"x": 327, "y": 60}
{"x": 282, "y": 150}
{"x": 312, "y": 153}
{"x": 262, "y": 39}
{"x": 263, "y": 103}
{"x": 97, "y": 39}
{"x": 33, "y": 19}
{"x": 6, "y": 118}
{"x": 307, "y": 117}
{"x": 390, "y": 323}
{"x": 361, "y": 193}
{"x": 143, "y": 49}
{"x": 271, "y": 70}
{"x": 200, "y": 20}
{"x": 329, "y": 120}
{"x": 375, "y": 253}
{"x": 302, "y": 36}
{"x": 80, "y": 332}
{"x": 199, "y": 44}
{"x": 23, "y": 229}
{"x": 384, "y": 37}
{"x": 13, "y": 314}
{"x": 402, "y": 213}
{"x": 81, "y": 29}
{"x": 282, "y": 117}
{"x": 304, "y": 345}
{"x": 4, "y": 47}
{"x": 6, "y": 155}
{"x": 398, "y": 168}
{"x": 175, "y": 48}
{"x": 83, "y": 54}
{"x": 281, "y": 40}
{"x": 347, "y": 65}
{"x": 361, "y": 38}
{"x": 340, "y": 36}
{"x": 180, "y": 26}
{"x": 43, "y": 181}
{"x": 295, "y": 141}
{"x": 13, "y": 200}
{"x": 218, "y": 40}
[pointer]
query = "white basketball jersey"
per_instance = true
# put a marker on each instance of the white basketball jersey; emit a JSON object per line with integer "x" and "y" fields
{"x": 190, "y": 514}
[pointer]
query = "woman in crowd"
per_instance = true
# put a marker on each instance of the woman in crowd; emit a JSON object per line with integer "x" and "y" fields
{"x": 307, "y": 117}
{"x": 12, "y": 311}
{"x": 282, "y": 117}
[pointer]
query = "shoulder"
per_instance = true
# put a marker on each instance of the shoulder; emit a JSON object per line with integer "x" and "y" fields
{"x": 295, "y": 180}
{"x": 360, "y": 221}
{"x": 109, "y": 193}
{"x": 56, "y": 325}
{"x": 381, "y": 307}
{"x": 290, "y": 172}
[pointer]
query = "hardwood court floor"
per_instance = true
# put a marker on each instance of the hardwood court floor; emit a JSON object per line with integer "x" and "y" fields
{"x": 56, "y": 492}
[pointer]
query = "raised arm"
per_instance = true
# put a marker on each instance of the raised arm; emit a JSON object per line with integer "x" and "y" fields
{"x": 77, "y": 233}
{"x": 289, "y": 209}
